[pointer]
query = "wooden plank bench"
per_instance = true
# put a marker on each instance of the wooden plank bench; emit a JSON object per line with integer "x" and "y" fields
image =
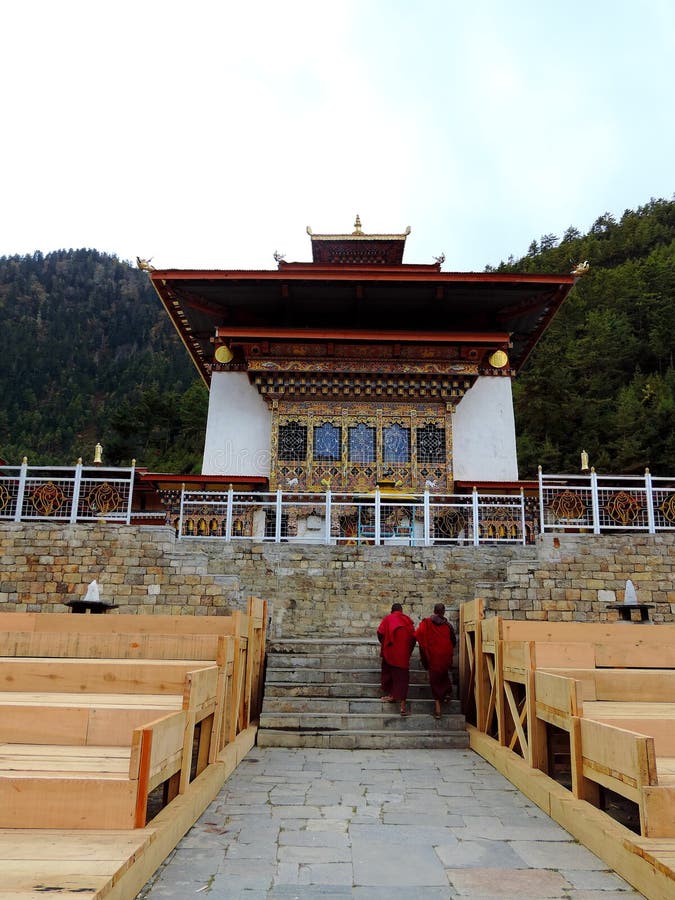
{"x": 74, "y": 692}
{"x": 622, "y": 685}
{"x": 57, "y": 786}
{"x": 105, "y": 708}
{"x": 603, "y": 753}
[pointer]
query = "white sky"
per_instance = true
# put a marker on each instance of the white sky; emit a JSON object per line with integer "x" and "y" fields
{"x": 210, "y": 134}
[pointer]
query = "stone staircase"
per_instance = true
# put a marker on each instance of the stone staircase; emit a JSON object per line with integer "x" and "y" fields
{"x": 321, "y": 693}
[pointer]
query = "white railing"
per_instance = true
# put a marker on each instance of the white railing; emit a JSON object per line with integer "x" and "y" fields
{"x": 377, "y": 518}
{"x": 602, "y": 503}
{"x": 590, "y": 503}
{"x": 66, "y": 493}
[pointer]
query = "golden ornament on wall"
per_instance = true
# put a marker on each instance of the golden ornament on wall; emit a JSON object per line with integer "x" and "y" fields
{"x": 498, "y": 359}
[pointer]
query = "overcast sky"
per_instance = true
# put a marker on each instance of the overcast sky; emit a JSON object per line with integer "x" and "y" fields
{"x": 210, "y": 134}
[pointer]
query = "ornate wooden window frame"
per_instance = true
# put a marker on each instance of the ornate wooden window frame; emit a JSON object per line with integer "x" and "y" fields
{"x": 344, "y": 475}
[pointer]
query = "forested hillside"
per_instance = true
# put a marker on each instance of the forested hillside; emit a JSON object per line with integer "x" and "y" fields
{"x": 87, "y": 354}
{"x": 602, "y": 378}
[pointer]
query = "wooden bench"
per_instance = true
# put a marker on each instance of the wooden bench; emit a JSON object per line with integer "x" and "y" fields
{"x": 103, "y": 709}
{"x": 95, "y": 787}
{"x": 143, "y": 692}
{"x": 630, "y": 761}
{"x": 591, "y": 704}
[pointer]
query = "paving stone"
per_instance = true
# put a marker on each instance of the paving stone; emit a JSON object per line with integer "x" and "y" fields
{"x": 233, "y": 887}
{"x": 592, "y": 880}
{"x": 376, "y": 864}
{"x": 401, "y": 817}
{"x": 495, "y": 830}
{"x": 289, "y": 853}
{"x": 285, "y": 799}
{"x": 251, "y": 832}
{"x": 604, "y": 895}
{"x": 308, "y": 892}
{"x": 401, "y": 893}
{"x": 262, "y": 871}
{"x": 507, "y": 883}
{"x": 553, "y": 855}
{"x": 327, "y": 873}
{"x": 335, "y": 825}
{"x": 295, "y": 812}
{"x": 454, "y": 789}
{"x": 257, "y": 850}
{"x": 255, "y": 809}
{"x": 479, "y": 855}
{"x": 403, "y": 834}
{"x": 314, "y": 839}
{"x": 337, "y": 772}
{"x": 171, "y": 889}
{"x": 337, "y": 812}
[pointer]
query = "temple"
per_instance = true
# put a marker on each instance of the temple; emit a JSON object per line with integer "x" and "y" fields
{"x": 356, "y": 369}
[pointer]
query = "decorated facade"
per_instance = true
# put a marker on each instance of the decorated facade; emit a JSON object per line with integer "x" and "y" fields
{"x": 356, "y": 369}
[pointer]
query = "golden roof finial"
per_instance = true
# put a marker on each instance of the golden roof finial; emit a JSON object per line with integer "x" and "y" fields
{"x": 357, "y": 225}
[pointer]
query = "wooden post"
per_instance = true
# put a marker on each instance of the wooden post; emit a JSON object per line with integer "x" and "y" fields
{"x": 499, "y": 691}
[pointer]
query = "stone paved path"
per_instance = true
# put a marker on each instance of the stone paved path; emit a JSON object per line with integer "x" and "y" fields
{"x": 377, "y": 825}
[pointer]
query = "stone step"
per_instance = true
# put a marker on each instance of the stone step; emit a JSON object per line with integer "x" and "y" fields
{"x": 322, "y": 661}
{"x": 365, "y": 740}
{"x": 353, "y": 647}
{"x": 347, "y": 690}
{"x": 383, "y": 721}
{"x": 342, "y": 705}
{"x": 333, "y": 676}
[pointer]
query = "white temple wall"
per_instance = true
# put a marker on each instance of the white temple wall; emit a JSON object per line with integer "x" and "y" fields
{"x": 238, "y": 428}
{"x": 484, "y": 433}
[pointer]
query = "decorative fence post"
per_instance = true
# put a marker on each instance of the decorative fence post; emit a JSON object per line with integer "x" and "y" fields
{"x": 180, "y": 516}
{"x": 522, "y": 516}
{"x": 327, "y": 533}
{"x": 649, "y": 497}
{"x": 542, "y": 521}
{"x": 377, "y": 517}
{"x": 595, "y": 502}
{"x": 427, "y": 519}
{"x": 131, "y": 490}
{"x": 75, "y": 500}
{"x": 228, "y": 513}
{"x": 476, "y": 512}
{"x": 277, "y": 519}
{"x": 21, "y": 490}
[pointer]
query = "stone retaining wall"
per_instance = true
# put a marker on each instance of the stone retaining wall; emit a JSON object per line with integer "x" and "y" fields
{"x": 324, "y": 590}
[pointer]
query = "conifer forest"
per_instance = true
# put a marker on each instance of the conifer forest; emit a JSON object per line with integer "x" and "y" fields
{"x": 87, "y": 354}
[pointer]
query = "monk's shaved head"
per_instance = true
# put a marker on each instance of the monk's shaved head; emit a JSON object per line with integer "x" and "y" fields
{"x": 439, "y": 609}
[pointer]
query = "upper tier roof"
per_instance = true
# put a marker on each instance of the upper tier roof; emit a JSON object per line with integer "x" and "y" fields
{"x": 358, "y": 248}
{"x": 350, "y": 300}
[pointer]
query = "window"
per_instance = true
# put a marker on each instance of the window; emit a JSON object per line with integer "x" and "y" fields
{"x": 431, "y": 444}
{"x": 327, "y": 442}
{"x": 396, "y": 441}
{"x": 362, "y": 444}
{"x": 293, "y": 442}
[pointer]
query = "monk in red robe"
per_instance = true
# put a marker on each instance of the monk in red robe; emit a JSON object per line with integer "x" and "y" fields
{"x": 436, "y": 638}
{"x": 396, "y": 634}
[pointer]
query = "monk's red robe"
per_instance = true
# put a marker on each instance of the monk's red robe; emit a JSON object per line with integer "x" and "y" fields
{"x": 397, "y": 636}
{"x": 396, "y": 633}
{"x": 436, "y": 639}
